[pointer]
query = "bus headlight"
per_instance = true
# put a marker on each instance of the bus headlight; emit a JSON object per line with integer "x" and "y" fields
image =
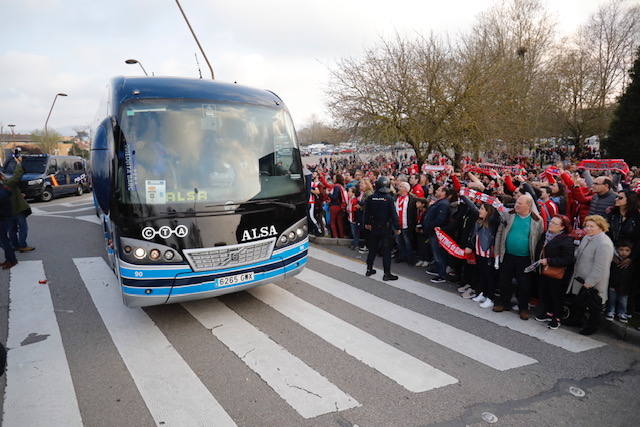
{"x": 143, "y": 252}
{"x": 293, "y": 234}
{"x": 139, "y": 253}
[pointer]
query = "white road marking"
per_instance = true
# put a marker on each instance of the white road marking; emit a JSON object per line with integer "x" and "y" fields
{"x": 562, "y": 338}
{"x": 90, "y": 218}
{"x": 476, "y": 348}
{"x": 78, "y": 203}
{"x": 46, "y": 212}
{"x": 39, "y": 389}
{"x": 171, "y": 390}
{"x": 406, "y": 370}
{"x": 304, "y": 389}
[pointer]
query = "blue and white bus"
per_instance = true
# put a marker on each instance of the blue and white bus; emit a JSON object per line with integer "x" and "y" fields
{"x": 199, "y": 186}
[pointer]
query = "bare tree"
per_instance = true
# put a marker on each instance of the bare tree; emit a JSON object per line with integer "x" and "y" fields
{"x": 48, "y": 142}
{"x": 514, "y": 38}
{"x": 318, "y": 131}
{"x": 402, "y": 90}
{"x": 611, "y": 37}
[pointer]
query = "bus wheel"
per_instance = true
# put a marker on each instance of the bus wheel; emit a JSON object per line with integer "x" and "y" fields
{"x": 80, "y": 190}
{"x": 46, "y": 195}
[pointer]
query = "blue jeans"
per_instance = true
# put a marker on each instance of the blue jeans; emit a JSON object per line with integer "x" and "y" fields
{"x": 616, "y": 304}
{"x": 355, "y": 234}
{"x": 439, "y": 257}
{"x": 5, "y": 242}
{"x": 18, "y": 231}
{"x": 405, "y": 246}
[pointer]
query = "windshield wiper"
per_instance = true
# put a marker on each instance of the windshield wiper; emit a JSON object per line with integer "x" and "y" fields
{"x": 259, "y": 202}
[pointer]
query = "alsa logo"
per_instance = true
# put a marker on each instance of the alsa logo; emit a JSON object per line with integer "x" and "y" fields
{"x": 256, "y": 233}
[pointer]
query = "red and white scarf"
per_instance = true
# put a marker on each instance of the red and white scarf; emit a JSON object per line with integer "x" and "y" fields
{"x": 477, "y": 196}
{"x": 617, "y": 165}
{"x": 402, "y": 205}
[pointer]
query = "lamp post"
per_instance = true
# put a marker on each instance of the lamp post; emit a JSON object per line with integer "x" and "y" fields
{"x": 13, "y": 135}
{"x": 135, "y": 61}
{"x": 196, "y": 39}
{"x": 50, "y": 110}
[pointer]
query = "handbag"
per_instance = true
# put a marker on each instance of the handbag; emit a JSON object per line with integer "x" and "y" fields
{"x": 553, "y": 272}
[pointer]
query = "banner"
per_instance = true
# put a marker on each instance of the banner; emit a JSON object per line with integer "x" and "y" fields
{"x": 617, "y": 165}
{"x": 477, "y": 196}
{"x": 448, "y": 244}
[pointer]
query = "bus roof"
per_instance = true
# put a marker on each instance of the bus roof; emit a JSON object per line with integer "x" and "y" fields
{"x": 126, "y": 88}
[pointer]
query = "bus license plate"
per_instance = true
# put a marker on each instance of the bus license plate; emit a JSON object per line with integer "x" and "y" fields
{"x": 234, "y": 280}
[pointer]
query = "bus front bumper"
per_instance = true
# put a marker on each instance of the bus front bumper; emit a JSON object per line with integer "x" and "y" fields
{"x": 193, "y": 286}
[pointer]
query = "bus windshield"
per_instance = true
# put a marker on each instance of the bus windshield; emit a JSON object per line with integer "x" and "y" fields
{"x": 176, "y": 152}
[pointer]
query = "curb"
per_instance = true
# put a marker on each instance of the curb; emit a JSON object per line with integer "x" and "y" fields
{"x": 331, "y": 241}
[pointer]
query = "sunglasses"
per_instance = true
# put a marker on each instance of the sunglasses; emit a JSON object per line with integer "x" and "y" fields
{"x": 620, "y": 198}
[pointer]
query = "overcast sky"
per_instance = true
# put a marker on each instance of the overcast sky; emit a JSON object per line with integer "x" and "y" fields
{"x": 75, "y": 46}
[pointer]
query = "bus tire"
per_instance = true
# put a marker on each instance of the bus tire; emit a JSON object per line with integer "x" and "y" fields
{"x": 47, "y": 195}
{"x": 80, "y": 190}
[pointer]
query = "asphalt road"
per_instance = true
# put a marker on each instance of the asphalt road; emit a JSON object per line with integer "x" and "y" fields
{"x": 328, "y": 348}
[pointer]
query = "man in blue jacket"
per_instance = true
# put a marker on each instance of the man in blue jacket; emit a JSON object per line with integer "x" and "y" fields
{"x": 437, "y": 216}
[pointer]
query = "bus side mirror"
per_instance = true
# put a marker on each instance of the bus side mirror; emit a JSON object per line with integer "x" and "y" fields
{"x": 101, "y": 163}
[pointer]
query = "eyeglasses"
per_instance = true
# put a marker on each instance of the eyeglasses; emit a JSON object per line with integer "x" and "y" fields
{"x": 620, "y": 198}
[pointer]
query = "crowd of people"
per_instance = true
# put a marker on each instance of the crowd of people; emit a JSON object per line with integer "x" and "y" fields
{"x": 14, "y": 211}
{"x": 564, "y": 237}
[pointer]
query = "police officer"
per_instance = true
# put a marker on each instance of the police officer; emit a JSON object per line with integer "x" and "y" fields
{"x": 381, "y": 219}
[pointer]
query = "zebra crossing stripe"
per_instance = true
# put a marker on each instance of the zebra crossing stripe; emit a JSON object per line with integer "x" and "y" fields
{"x": 476, "y": 348}
{"x": 172, "y": 392}
{"x": 404, "y": 369}
{"x": 561, "y": 337}
{"x": 39, "y": 389}
{"x": 90, "y": 218}
{"x": 304, "y": 389}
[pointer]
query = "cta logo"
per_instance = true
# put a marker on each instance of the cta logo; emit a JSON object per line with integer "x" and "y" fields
{"x": 165, "y": 232}
{"x": 256, "y": 233}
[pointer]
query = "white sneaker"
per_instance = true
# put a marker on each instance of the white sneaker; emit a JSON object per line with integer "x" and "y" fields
{"x": 479, "y": 298}
{"x": 461, "y": 289}
{"x": 469, "y": 293}
{"x": 421, "y": 264}
{"x": 487, "y": 304}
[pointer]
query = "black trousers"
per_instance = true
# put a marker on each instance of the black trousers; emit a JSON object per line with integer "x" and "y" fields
{"x": 551, "y": 291}
{"x": 513, "y": 266}
{"x": 486, "y": 277}
{"x": 376, "y": 240}
{"x": 587, "y": 309}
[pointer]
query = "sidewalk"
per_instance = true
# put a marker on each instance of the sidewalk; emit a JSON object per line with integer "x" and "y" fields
{"x": 627, "y": 332}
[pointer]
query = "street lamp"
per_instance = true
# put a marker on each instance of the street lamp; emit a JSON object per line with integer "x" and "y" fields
{"x": 135, "y": 61}
{"x": 54, "y": 103}
{"x": 13, "y": 135}
{"x": 196, "y": 39}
